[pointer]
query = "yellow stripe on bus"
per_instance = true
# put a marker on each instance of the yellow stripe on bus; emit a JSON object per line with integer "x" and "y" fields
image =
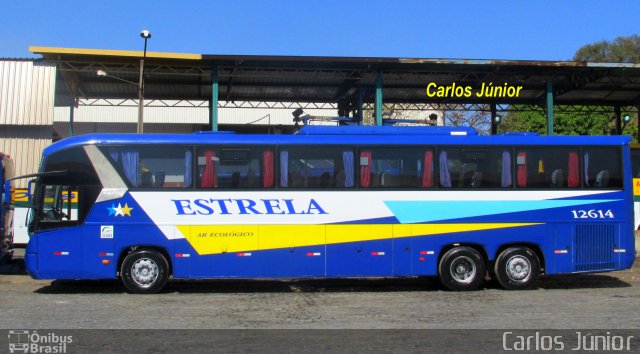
{"x": 216, "y": 239}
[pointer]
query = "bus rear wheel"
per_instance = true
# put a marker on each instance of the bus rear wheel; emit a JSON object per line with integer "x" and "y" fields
{"x": 462, "y": 269}
{"x": 144, "y": 272}
{"x": 517, "y": 268}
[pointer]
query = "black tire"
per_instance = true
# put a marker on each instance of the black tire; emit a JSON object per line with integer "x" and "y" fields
{"x": 144, "y": 272}
{"x": 517, "y": 268}
{"x": 462, "y": 269}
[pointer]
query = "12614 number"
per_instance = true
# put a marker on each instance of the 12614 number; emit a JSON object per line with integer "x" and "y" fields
{"x": 592, "y": 214}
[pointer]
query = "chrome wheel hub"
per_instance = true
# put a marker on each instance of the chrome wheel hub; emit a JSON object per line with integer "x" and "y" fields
{"x": 144, "y": 272}
{"x": 463, "y": 269}
{"x": 518, "y": 268}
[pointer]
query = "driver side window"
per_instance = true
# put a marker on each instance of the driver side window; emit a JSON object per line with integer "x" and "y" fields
{"x": 58, "y": 204}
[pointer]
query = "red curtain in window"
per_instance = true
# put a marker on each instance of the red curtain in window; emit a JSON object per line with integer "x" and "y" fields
{"x": 209, "y": 179}
{"x": 267, "y": 166}
{"x": 365, "y": 170}
{"x": 427, "y": 174}
{"x": 573, "y": 179}
{"x": 522, "y": 169}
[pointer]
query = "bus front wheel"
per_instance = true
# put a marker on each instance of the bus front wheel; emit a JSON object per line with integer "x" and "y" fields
{"x": 144, "y": 271}
{"x": 517, "y": 268}
{"x": 462, "y": 269}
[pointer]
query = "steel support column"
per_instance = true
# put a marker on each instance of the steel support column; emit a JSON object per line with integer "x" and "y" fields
{"x": 379, "y": 99}
{"x": 140, "y": 126}
{"x": 360, "y": 103}
{"x": 494, "y": 125}
{"x": 342, "y": 110}
{"x": 72, "y": 109}
{"x": 549, "y": 107}
{"x": 213, "y": 109}
{"x": 618, "y": 118}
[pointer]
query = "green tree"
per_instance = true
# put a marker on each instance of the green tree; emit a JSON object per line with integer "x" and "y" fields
{"x": 516, "y": 121}
{"x": 620, "y": 50}
{"x": 566, "y": 123}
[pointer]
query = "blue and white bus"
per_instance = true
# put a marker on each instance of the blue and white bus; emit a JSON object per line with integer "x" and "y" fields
{"x": 332, "y": 202}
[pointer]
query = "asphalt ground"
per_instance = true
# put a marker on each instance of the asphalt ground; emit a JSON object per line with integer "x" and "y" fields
{"x": 602, "y": 300}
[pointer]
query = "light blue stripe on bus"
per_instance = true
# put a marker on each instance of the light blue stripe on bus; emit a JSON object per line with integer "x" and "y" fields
{"x": 426, "y": 211}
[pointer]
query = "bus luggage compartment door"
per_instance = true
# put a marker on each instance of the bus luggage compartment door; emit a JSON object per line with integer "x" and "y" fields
{"x": 373, "y": 257}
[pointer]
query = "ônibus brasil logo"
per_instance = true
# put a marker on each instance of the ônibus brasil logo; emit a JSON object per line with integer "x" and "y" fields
{"x": 23, "y": 341}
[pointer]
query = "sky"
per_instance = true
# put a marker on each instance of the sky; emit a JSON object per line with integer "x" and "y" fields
{"x": 500, "y": 29}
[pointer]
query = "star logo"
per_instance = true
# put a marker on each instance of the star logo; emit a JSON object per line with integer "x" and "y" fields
{"x": 120, "y": 210}
{"x": 126, "y": 210}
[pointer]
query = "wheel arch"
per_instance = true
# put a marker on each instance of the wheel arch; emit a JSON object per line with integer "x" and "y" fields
{"x": 476, "y": 246}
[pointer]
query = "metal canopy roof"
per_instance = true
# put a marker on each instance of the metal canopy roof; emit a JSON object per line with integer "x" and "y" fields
{"x": 174, "y": 76}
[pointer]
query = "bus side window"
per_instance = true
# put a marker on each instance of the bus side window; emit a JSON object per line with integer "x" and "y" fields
{"x": 57, "y": 206}
{"x": 602, "y": 167}
{"x": 235, "y": 167}
{"x": 153, "y": 167}
{"x": 396, "y": 168}
{"x": 302, "y": 167}
{"x": 549, "y": 167}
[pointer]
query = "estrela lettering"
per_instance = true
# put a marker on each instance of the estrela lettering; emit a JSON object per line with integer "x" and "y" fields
{"x": 247, "y": 206}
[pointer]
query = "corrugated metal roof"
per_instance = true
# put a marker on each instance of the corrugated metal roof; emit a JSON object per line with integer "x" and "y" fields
{"x": 333, "y": 79}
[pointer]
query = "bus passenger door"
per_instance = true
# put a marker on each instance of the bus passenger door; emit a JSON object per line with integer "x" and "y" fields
{"x": 348, "y": 256}
{"x": 98, "y": 258}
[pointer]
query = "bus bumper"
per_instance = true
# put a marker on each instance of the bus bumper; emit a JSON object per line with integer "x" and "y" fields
{"x": 31, "y": 264}
{"x": 626, "y": 262}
